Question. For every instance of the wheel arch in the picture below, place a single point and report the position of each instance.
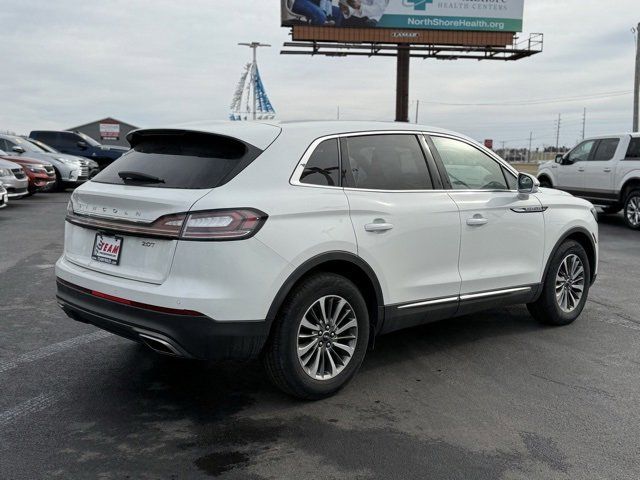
(628, 185)
(584, 238)
(545, 176)
(343, 263)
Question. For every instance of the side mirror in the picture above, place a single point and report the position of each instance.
(18, 149)
(527, 184)
(82, 145)
(559, 158)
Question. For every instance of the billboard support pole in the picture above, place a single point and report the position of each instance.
(402, 83)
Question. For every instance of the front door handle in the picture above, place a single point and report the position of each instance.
(378, 227)
(581, 169)
(476, 221)
(607, 169)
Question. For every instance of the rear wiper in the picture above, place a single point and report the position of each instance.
(139, 177)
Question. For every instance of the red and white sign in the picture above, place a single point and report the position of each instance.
(107, 249)
(110, 131)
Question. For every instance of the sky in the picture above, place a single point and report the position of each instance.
(158, 62)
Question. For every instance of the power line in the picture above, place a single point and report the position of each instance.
(596, 96)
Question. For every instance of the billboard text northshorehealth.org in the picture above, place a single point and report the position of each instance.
(478, 15)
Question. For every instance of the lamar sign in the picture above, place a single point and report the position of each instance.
(457, 15)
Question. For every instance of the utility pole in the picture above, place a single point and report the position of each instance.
(254, 69)
(584, 122)
(338, 112)
(530, 142)
(558, 132)
(636, 93)
(417, 109)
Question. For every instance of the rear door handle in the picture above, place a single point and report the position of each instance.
(378, 227)
(476, 221)
(607, 169)
(581, 169)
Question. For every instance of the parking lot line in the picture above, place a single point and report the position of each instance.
(33, 405)
(52, 350)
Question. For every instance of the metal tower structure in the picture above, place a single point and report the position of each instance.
(250, 100)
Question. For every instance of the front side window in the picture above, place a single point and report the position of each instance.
(606, 149)
(468, 168)
(633, 152)
(323, 166)
(67, 140)
(581, 152)
(387, 162)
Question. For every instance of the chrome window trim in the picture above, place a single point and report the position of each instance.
(297, 172)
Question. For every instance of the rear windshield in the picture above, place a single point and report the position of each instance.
(179, 160)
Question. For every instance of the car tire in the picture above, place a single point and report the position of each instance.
(557, 304)
(58, 186)
(632, 209)
(315, 299)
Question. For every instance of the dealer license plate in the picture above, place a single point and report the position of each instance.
(107, 249)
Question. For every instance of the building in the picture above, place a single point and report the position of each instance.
(109, 131)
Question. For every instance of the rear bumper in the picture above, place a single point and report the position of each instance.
(186, 336)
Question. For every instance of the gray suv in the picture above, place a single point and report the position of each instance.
(70, 171)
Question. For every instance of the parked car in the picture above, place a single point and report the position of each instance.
(77, 143)
(14, 179)
(70, 172)
(92, 166)
(41, 175)
(4, 197)
(605, 170)
(300, 243)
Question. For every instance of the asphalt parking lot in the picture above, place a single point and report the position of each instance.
(487, 396)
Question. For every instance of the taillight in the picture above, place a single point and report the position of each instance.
(234, 224)
(223, 224)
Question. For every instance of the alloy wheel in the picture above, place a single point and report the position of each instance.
(633, 211)
(570, 282)
(327, 337)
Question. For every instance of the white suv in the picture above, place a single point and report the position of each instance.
(299, 243)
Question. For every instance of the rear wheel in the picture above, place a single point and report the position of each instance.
(565, 288)
(632, 209)
(320, 337)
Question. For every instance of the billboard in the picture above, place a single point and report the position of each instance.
(457, 15)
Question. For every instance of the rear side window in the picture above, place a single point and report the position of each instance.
(45, 137)
(179, 160)
(387, 162)
(606, 149)
(633, 153)
(323, 167)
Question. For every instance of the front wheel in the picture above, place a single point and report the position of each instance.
(565, 288)
(320, 337)
(632, 210)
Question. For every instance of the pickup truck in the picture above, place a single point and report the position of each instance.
(604, 170)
